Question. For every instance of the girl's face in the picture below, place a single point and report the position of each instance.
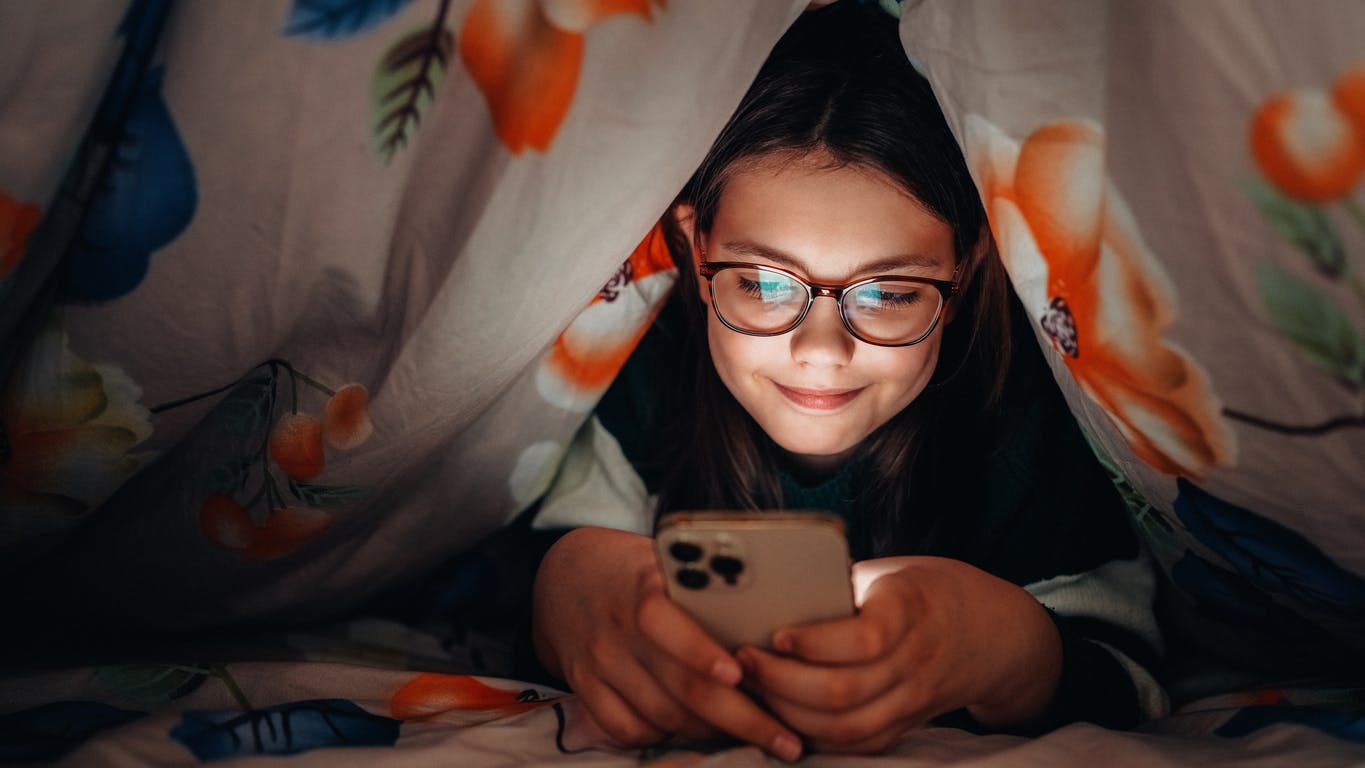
(817, 391)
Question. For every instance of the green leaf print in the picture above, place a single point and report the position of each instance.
(406, 82)
(1305, 226)
(1312, 321)
(231, 477)
(150, 684)
(246, 409)
(324, 496)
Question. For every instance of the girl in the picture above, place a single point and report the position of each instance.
(849, 336)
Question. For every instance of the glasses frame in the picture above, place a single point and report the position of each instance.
(947, 289)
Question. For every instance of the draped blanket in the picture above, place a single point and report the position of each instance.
(301, 298)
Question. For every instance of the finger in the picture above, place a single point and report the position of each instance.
(670, 629)
(900, 708)
(618, 719)
(833, 688)
(881, 623)
(653, 702)
(727, 709)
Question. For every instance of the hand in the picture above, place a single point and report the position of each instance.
(642, 668)
(932, 635)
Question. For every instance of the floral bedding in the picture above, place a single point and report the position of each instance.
(301, 298)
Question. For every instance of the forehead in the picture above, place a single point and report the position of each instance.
(833, 220)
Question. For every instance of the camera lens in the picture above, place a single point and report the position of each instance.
(691, 578)
(727, 567)
(684, 552)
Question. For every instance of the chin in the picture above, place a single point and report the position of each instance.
(802, 445)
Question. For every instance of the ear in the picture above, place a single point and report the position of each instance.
(686, 217)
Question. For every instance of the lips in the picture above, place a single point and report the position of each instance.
(819, 399)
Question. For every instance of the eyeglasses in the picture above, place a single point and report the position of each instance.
(888, 311)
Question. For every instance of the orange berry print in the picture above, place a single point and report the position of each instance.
(225, 522)
(346, 419)
(17, 222)
(285, 530)
(296, 446)
(1308, 147)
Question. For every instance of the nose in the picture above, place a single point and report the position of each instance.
(821, 340)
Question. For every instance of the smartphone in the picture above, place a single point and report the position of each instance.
(744, 575)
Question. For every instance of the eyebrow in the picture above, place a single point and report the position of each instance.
(751, 249)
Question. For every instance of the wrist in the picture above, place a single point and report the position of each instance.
(1026, 694)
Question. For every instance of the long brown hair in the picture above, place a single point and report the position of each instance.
(838, 85)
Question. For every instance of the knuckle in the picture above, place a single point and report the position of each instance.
(840, 691)
(668, 719)
(648, 615)
(875, 640)
(620, 727)
(694, 691)
(600, 653)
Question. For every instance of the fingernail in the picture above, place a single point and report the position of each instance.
(726, 671)
(782, 642)
(787, 747)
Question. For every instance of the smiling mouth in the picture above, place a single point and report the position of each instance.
(819, 399)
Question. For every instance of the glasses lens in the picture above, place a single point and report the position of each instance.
(892, 311)
(758, 300)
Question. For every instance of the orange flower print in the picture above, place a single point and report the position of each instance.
(525, 56)
(590, 352)
(68, 429)
(428, 695)
(17, 222)
(1309, 144)
(1104, 301)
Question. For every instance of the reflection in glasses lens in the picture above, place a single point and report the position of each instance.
(888, 311)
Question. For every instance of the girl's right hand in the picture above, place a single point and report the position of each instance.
(642, 668)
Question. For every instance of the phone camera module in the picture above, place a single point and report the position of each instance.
(692, 578)
(728, 568)
(685, 551)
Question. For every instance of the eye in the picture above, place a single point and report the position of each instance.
(889, 297)
(767, 288)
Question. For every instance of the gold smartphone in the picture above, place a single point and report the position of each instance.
(744, 575)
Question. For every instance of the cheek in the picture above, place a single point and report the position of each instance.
(909, 369)
(728, 352)
(739, 359)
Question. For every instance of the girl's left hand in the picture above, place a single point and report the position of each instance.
(932, 635)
